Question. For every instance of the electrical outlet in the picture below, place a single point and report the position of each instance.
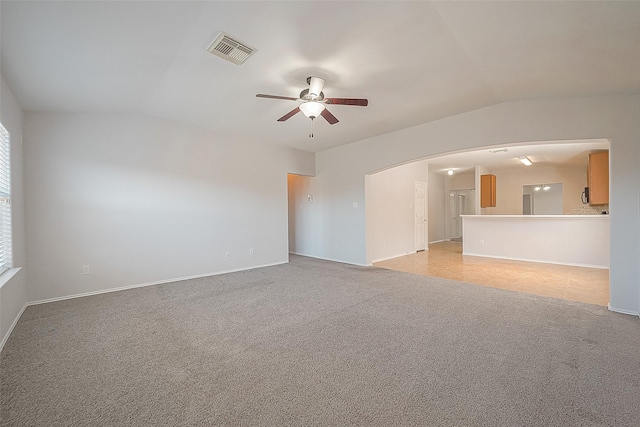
(86, 269)
(250, 251)
(226, 254)
(482, 242)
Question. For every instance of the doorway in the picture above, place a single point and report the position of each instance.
(461, 202)
(421, 215)
(301, 213)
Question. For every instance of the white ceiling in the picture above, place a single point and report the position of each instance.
(415, 61)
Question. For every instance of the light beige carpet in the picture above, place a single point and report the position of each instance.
(319, 343)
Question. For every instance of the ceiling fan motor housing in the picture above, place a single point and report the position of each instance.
(306, 96)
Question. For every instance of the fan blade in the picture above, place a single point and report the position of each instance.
(315, 86)
(347, 101)
(289, 114)
(288, 98)
(329, 117)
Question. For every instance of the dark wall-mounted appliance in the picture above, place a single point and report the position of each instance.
(585, 196)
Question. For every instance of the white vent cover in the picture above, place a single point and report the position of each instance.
(231, 50)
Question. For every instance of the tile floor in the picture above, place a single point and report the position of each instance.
(445, 259)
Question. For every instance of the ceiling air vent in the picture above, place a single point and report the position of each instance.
(231, 50)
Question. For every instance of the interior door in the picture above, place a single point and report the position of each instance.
(421, 215)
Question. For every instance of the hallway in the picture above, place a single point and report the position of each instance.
(445, 259)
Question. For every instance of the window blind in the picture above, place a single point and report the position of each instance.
(5, 201)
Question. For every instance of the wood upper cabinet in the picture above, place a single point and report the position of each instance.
(598, 178)
(487, 191)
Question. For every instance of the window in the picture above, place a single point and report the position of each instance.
(5, 201)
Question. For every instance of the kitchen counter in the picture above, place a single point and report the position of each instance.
(579, 240)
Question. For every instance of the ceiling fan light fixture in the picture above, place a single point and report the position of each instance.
(312, 109)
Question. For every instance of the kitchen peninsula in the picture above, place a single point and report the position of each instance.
(579, 240)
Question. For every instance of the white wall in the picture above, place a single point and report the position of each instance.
(462, 180)
(437, 208)
(13, 290)
(340, 171)
(144, 200)
(390, 197)
(578, 240)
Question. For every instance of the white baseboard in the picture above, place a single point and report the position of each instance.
(13, 325)
(440, 241)
(622, 311)
(602, 267)
(142, 285)
(329, 259)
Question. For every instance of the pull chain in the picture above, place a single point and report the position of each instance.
(311, 128)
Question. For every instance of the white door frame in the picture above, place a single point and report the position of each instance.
(421, 216)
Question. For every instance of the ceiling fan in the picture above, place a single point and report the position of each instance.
(313, 103)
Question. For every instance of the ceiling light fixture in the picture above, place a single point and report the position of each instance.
(450, 171)
(525, 161)
(312, 109)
